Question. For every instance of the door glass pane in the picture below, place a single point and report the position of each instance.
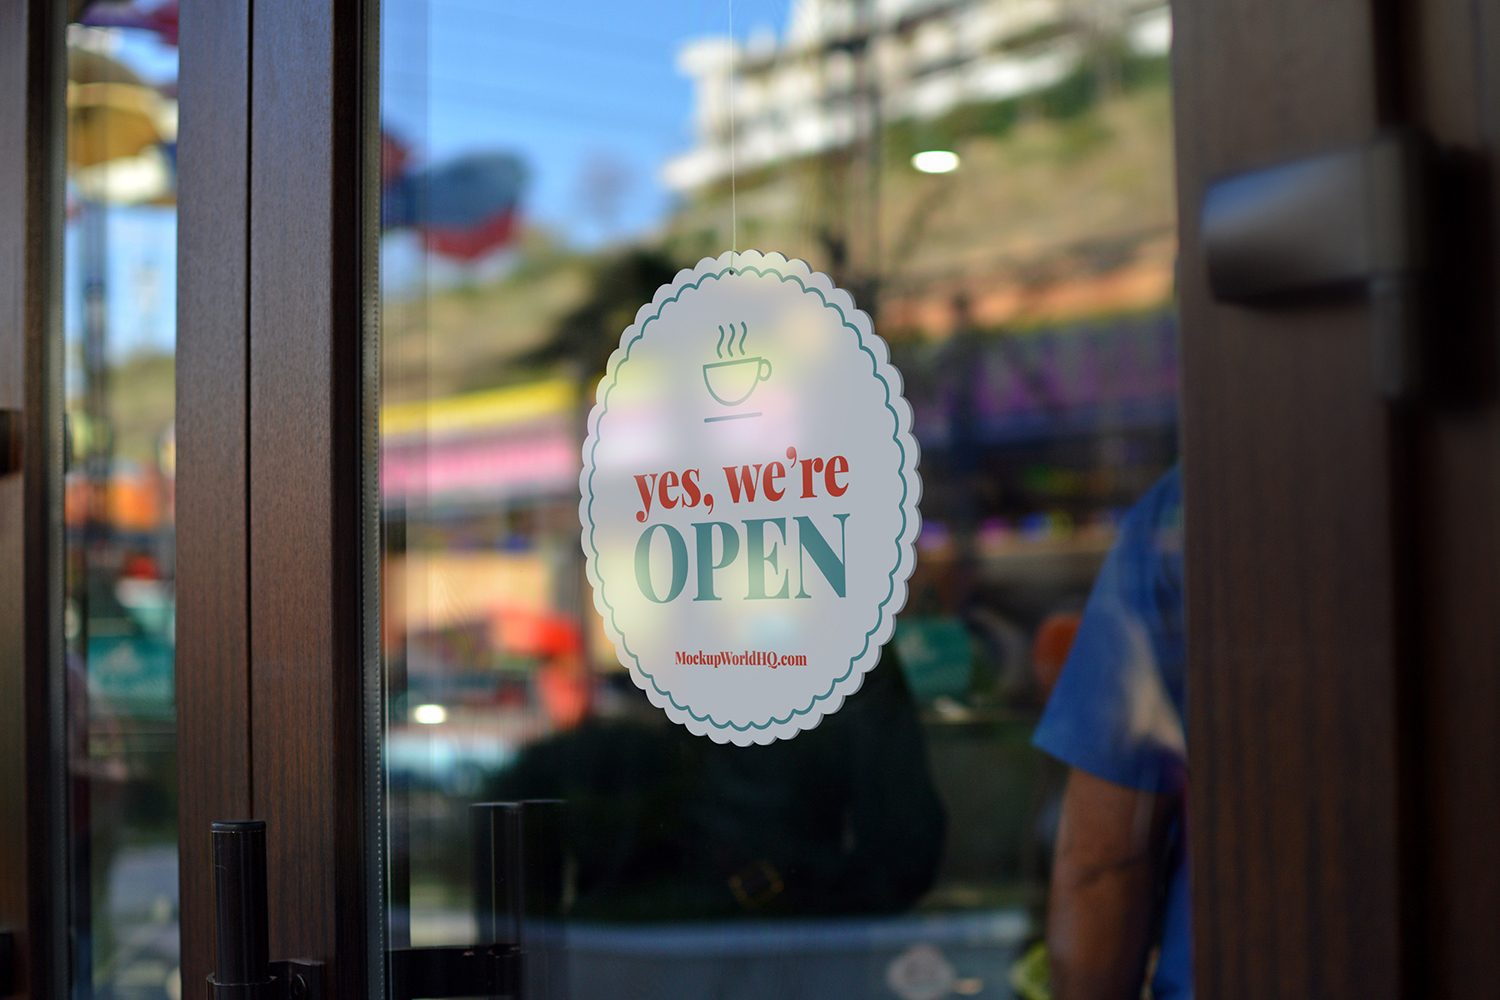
(119, 330)
(992, 181)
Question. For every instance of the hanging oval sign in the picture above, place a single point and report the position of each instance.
(749, 498)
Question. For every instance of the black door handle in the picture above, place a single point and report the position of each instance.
(519, 888)
(243, 969)
(518, 909)
(518, 899)
(241, 919)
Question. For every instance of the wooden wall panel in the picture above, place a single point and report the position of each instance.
(213, 623)
(1289, 455)
(33, 830)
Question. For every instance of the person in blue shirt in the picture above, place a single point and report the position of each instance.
(1119, 879)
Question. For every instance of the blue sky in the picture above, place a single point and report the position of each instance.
(576, 88)
(573, 86)
(568, 85)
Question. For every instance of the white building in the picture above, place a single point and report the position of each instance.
(813, 90)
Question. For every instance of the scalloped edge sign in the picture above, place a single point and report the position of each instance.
(749, 498)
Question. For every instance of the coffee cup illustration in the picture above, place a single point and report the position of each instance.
(732, 382)
(733, 379)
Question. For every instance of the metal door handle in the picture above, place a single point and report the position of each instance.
(519, 902)
(1352, 220)
(518, 907)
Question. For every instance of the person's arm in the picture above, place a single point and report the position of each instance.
(1110, 848)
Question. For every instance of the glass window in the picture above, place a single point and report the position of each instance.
(992, 182)
(119, 318)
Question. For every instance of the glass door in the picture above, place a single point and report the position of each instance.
(538, 376)
(91, 880)
(993, 186)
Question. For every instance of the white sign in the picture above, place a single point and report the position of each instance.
(749, 498)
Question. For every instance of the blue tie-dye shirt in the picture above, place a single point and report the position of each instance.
(1118, 709)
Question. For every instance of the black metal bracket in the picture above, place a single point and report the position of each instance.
(7, 963)
(10, 441)
(293, 979)
(302, 978)
(1352, 220)
(458, 971)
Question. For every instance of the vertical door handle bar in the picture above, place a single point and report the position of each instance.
(243, 969)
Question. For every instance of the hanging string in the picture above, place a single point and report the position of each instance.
(734, 208)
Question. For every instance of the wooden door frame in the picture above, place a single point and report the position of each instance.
(212, 665)
(315, 693)
(213, 611)
(279, 675)
(33, 756)
(1304, 756)
(1295, 695)
(1298, 547)
(1453, 675)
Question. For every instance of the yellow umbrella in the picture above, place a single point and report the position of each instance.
(118, 127)
(116, 121)
(89, 65)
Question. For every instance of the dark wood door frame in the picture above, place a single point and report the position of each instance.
(315, 679)
(33, 755)
(1298, 544)
(278, 675)
(213, 610)
(1454, 672)
(1344, 692)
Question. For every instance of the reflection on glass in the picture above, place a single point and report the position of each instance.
(119, 614)
(993, 183)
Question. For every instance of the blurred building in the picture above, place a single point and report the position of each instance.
(844, 61)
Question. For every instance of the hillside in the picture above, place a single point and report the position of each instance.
(1051, 216)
